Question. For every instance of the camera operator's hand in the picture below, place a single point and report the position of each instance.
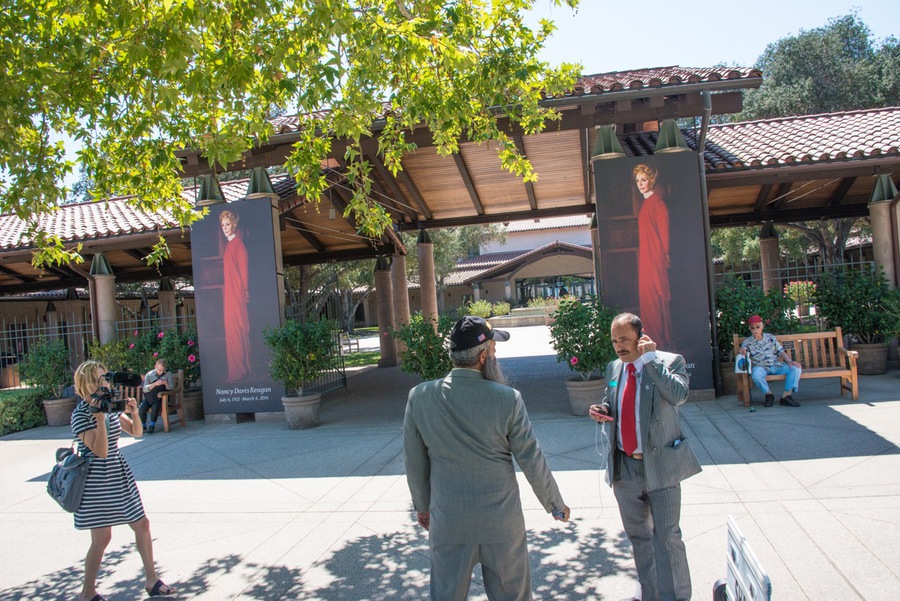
(131, 407)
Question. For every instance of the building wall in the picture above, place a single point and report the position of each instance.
(535, 239)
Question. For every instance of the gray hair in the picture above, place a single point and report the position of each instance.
(468, 357)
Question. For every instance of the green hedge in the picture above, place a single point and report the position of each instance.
(20, 410)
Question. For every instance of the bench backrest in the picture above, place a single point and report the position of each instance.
(814, 350)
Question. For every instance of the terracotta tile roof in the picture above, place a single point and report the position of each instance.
(548, 223)
(115, 217)
(600, 83)
(789, 140)
(658, 77)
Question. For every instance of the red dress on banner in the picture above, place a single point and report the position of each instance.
(653, 270)
(235, 295)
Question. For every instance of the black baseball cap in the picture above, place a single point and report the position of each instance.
(470, 331)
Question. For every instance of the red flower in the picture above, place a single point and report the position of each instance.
(190, 343)
(155, 354)
(192, 358)
(574, 360)
(131, 345)
(161, 334)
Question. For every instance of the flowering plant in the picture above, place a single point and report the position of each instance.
(580, 335)
(180, 350)
(800, 291)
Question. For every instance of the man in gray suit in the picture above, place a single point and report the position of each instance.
(459, 436)
(649, 455)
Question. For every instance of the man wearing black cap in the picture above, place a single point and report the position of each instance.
(460, 434)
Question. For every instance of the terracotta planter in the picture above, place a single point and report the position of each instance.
(192, 403)
(872, 358)
(583, 394)
(59, 411)
(302, 412)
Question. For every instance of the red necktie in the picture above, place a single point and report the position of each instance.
(627, 419)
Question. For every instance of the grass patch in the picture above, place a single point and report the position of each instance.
(366, 331)
(362, 358)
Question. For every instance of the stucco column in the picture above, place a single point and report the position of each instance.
(385, 308)
(400, 287)
(880, 219)
(427, 281)
(105, 287)
(51, 322)
(768, 257)
(105, 302)
(476, 291)
(167, 315)
(507, 290)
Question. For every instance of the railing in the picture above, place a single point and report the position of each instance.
(19, 335)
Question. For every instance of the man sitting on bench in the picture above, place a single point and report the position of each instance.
(157, 380)
(765, 352)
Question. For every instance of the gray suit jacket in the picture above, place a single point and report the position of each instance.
(664, 386)
(460, 435)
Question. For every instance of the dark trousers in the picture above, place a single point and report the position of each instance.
(153, 403)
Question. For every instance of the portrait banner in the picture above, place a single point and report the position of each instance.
(236, 292)
(653, 252)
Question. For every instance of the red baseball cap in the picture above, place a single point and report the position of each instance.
(754, 319)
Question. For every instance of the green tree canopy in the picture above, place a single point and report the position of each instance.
(837, 67)
(134, 82)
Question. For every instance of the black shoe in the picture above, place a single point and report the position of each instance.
(770, 399)
(150, 429)
(789, 401)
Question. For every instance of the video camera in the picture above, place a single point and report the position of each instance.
(108, 400)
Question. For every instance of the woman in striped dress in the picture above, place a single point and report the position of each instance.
(111, 496)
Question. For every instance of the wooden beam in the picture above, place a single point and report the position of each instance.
(401, 212)
(303, 229)
(841, 191)
(467, 180)
(578, 209)
(826, 170)
(391, 182)
(529, 187)
(781, 195)
(15, 274)
(369, 252)
(809, 214)
(763, 197)
(404, 178)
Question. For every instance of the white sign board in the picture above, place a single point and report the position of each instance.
(747, 580)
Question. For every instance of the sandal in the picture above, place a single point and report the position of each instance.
(157, 590)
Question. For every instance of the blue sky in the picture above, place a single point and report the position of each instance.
(617, 35)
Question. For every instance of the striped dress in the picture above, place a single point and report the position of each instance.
(111, 496)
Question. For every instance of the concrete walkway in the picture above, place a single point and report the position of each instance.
(255, 511)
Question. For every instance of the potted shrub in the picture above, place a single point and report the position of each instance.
(426, 351)
(866, 309)
(580, 337)
(46, 368)
(182, 352)
(301, 352)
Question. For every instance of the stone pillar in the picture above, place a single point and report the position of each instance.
(768, 257)
(400, 291)
(105, 302)
(385, 301)
(51, 322)
(427, 281)
(880, 218)
(476, 292)
(400, 287)
(507, 290)
(167, 316)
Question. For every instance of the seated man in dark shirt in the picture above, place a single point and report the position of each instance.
(157, 380)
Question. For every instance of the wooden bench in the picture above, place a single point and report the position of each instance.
(822, 355)
(348, 342)
(170, 398)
